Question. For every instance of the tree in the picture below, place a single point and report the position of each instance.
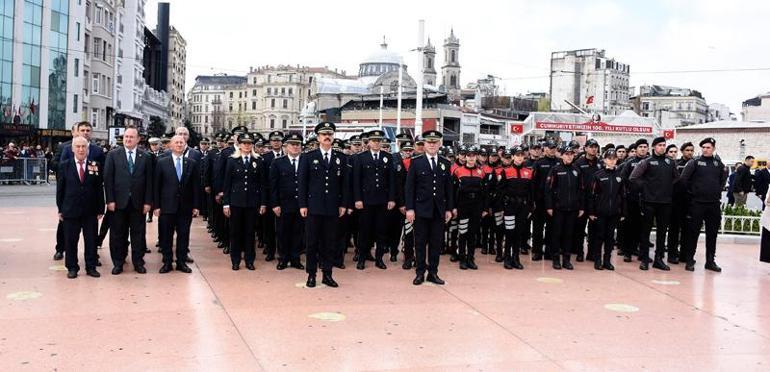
(195, 137)
(157, 127)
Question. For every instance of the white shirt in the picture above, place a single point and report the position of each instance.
(432, 160)
(375, 155)
(133, 154)
(77, 166)
(295, 160)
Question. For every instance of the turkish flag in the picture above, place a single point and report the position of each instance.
(668, 134)
(589, 100)
(517, 128)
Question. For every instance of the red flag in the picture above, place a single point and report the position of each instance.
(589, 100)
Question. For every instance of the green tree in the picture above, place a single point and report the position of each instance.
(157, 127)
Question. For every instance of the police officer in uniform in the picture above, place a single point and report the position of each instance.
(374, 193)
(220, 168)
(284, 192)
(655, 178)
(564, 202)
(471, 200)
(515, 194)
(268, 220)
(402, 168)
(677, 230)
(588, 164)
(605, 208)
(429, 201)
(631, 228)
(704, 178)
(540, 219)
(323, 199)
(243, 199)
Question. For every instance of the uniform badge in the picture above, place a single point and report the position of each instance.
(668, 161)
(385, 160)
(499, 177)
(254, 165)
(574, 172)
(338, 161)
(315, 161)
(618, 179)
(398, 167)
(443, 167)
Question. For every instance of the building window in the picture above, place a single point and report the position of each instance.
(285, 103)
(95, 117)
(95, 86)
(253, 105)
(454, 56)
(291, 91)
(253, 92)
(75, 104)
(272, 123)
(77, 66)
(77, 30)
(231, 94)
(268, 91)
(272, 103)
(283, 123)
(283, 91)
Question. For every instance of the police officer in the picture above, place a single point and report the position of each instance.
(516, 196)
(588, 164)
(540, 219)
(632, 231)
(284, 194)
(488, 221)
(471, 200)
(655, 178)
(564, 202)
(243, 198)
(429, 202)
(219, 170)
(374, 193)
(677, 230)
(704, 178)
(605, 208)
(268, 220)
(323, 199)
(402, 167)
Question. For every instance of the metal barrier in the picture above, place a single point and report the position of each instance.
(745, 225)
(24, 170)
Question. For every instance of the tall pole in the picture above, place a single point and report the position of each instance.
(418, 108)
(381, 99)
(398, 99)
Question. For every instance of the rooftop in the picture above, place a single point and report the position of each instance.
(727, 124)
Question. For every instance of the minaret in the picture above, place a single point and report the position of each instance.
(450, 72)
(428, 71)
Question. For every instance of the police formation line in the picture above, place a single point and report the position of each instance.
(323, 197)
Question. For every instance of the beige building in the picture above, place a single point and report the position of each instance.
(735, 139)
(757, 108)
(577, 75)
(672, 107)
(207, 103)
(177, 67)
(99, 65)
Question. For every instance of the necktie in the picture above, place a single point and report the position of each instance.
(376, 156)
(131, 162)
(294, 164)
(433, 163)
(246, 161)
(81, 171)
(179, 169)
(326, 158)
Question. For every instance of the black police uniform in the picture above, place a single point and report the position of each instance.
(631, 230)
(284, 191)
(515, 191)
(269, 220)
(563, 195)
(606, 202)
(374, 186)
(541, 221)
(704, 177)
(655, 177)
(677, 229)
(402, 168)
(587, 169)
(429, 194)
(243, 194)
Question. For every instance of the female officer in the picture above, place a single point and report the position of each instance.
(470, 188)
(516, 195)
(243, 199)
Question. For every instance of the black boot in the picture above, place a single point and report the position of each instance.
(580, 257)
(517, 262)
(471, 263)
(566, 264)
(556, 263)
(537, 255)
(711, 265)
(690, 266)
(508, 263)
(660, 265)
(607, 264)
(463, 263)
(598, 265)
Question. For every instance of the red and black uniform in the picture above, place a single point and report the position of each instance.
(452, 228)
(497, 212)
(488, 222)
(471, 200)
(515, 192)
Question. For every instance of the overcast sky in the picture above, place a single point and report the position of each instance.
(511, 39)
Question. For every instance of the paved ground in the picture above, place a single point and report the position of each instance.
(490, 319)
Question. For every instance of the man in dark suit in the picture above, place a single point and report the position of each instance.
(80, 202)
(429, 203)
(323, 199)
(374, 193)
(268, 220)
(284, 192)
(63, 154)
(177, 200)
(128, 187)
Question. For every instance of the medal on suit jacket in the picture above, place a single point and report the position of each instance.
(93, 168)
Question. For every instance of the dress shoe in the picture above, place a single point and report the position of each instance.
(250, 266)
(499, 257)
(690, 266)
(140, 269)
(537, 256)
(183, 268)
(407, 264)
(453, 257)
(117, 270)
(463, 265)
(492, 250)
(236, 267)
(484, 250)
(360, 265)
(517, 263)
(711, 265)
(369, 257)
(189, 259)
(660, 265)
(299, 266)
(556, 264)
(310, 281)
(165, 268)
(627, 259)
(644, 265)
(58, 256)
(673, 260)
(93, 273)
(72, 274)
(608, 266)
(598, 265)
(508, 264)
(355, 257)
(226, 250)
(580, 257)
(567, 265)
(419, 279)
(329, 281)
(393, 258)
(270, 257)
(433, 278)
(524, 251)
(281, 265)
(472, 264)
(380, 264)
